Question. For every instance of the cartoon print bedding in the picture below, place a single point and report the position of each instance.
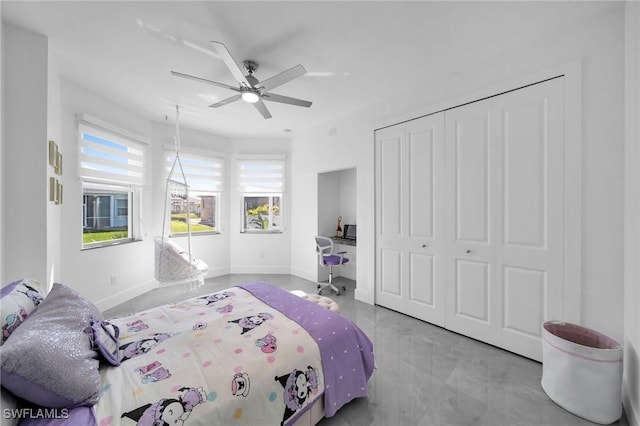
(252, 354)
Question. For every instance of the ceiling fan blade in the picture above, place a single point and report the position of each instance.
(233, 66)
(204, 80)
(283, 77)
(285, 100)
(262, 109)
(226, 101)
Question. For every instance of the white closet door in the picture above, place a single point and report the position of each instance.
(505, 214)
(410, 243)
(471, 170)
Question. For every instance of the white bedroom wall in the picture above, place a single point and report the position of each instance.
(90, 271)
(49, 112)
(25, 145)
(2, 277)
(598, 44)
(250, 252)
(336, 146)
(631, 385)
(328, 205)
(336, 198)
(347, 196)
(54, 212)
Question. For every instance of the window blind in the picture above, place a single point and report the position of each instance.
(202, 173)
(262, 175)
(107, 156)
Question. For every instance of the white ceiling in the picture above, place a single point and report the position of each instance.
(356, 53)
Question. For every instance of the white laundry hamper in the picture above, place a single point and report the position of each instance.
(582, 371)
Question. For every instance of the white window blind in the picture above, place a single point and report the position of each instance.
(107, 156)
(202, 173)
(262, 175)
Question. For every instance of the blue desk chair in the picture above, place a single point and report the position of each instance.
(326, 258)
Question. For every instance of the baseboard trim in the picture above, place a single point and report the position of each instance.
(309, 276)
(125, 295)
(259, 270)
(364, 296)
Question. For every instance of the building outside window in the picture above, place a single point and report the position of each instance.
(204, 176)
(112, 174)
(262, 185)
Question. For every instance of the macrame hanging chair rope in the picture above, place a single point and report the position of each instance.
(173, 264)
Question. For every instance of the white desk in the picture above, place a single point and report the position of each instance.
(348, 270)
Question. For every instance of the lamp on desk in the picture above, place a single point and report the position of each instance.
(339, 228)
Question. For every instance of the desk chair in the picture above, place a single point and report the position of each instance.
(324, 249)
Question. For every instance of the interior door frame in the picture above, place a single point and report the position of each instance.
(572, 248)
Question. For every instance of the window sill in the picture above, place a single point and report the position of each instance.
(102, 244)
(259, 231)
(185, 234)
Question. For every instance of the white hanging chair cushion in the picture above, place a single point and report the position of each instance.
(173, 263)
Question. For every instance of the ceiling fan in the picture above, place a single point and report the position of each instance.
(250, 89)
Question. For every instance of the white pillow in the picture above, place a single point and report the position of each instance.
(17, 301)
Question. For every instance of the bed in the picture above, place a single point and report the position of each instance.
(252, 354)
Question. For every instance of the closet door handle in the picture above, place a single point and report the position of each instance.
(424, 246)
(468, 251)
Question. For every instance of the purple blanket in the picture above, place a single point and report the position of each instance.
(347, 361)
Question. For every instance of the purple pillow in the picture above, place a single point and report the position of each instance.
(105, 340)
(49, 359)
(17, 301)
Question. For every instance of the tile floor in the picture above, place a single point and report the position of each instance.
(425, 375)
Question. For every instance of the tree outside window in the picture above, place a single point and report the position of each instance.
(262, 212)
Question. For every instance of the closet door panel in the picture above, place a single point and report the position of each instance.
(470, 145)
(530, 210)
(410, 203)
(471, 176)
(525, 180)
(423, 282)
(421, 179)
(472, 291)
(391, 263)
(390, 158)
(390, 153)
(425, 220)
(524, 293)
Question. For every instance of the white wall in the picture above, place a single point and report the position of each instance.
(54, 212)
(45, 238)
(259, 253)
(90, 271)
(328, 205)
(598, 44)
(631, 388)
(133, 264)
(2, 277)
(336, 198)
(314, 152)
(25, 154)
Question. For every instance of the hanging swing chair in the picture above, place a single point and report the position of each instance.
(174, 264)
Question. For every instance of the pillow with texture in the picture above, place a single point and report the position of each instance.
(17, 301)
(49, 359)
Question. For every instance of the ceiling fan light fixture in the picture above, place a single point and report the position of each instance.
(250, 97)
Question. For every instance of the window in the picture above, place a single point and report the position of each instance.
(112, 174)
(204, 176)
(105, 214)
(261, 212)
(262, 183)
